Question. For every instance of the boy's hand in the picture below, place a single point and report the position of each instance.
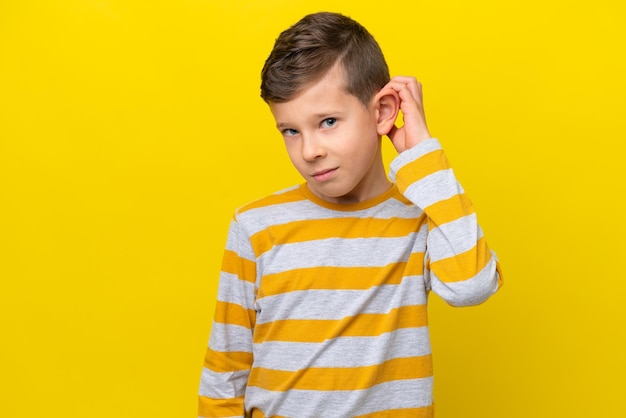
(414, 129)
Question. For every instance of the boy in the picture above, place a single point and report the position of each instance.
(321, 308)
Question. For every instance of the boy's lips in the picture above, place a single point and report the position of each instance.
(325, 174)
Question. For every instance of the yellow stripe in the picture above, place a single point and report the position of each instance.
(275, 199)
(449, 210)
(243, 268)
(363, 325)
(339, 278)
(213, 408)
(309, 230)
(233, 314)
(232, 361)
(425, 165)
(415, 265)
(424, 412)
(463, 266)
(257, 413)
(500, 277)
(343, 378)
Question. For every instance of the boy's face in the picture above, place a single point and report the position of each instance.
(332, 140)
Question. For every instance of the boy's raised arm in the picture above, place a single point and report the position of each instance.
(229, 353)
(460, 267)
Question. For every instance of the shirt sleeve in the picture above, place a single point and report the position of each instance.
(459, 266)
(229, 353)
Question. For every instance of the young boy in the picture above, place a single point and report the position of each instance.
(321, 309)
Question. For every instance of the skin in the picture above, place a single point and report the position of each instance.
(334, 141)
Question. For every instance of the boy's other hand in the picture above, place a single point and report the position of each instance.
(414, 129)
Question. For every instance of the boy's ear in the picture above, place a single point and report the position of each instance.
(387, 103)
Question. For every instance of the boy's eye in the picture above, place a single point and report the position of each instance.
(329, 122)
(290, 132)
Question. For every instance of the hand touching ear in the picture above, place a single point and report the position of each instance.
(414, 129)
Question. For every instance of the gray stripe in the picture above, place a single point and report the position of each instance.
(234, 290)
(468, 292)
(225, 337)
(223, 385)
(411, 155)
(435, 187)
(339, 404)
(453, 238)
(339, 252)
(238, 242)
(343, 351)
(332, 304)
(261, 218)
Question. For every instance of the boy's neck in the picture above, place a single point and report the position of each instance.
(373, 184)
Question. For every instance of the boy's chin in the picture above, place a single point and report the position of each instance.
(335, 194)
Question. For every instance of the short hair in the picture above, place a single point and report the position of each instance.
(306, 51)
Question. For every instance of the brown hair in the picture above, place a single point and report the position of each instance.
(306, 51)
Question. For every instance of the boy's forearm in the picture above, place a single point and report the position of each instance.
(223, 408)
(226, 369)
(463, 270)
(228, 356)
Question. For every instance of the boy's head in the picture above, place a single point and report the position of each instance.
(306, 51)
(324, 83)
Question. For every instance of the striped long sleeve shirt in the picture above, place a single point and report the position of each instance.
(321, 307)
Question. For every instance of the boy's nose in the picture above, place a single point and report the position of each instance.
(312, 149)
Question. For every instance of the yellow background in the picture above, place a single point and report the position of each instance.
(130, 130)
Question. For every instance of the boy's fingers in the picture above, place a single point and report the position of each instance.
(414, 86)
(402, 89)
(408, 103)
(410, 89)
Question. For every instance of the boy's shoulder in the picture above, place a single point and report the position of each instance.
(297, 204)
(271, 209)
(290, 194)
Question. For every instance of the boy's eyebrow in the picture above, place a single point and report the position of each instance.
(281, 125)
(327, 114)
(314, 116)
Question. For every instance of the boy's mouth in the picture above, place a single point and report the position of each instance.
(325, 174)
